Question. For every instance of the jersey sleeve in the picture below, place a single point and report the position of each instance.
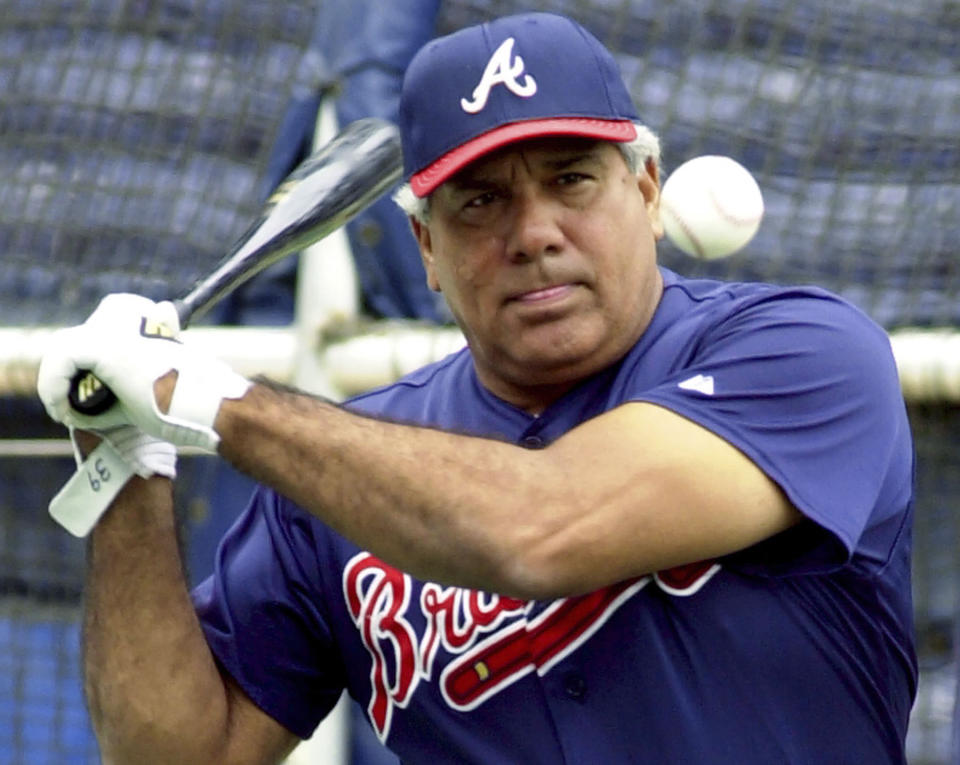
(264, 618)
(806, 386)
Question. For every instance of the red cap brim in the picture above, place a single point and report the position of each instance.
(428, 179)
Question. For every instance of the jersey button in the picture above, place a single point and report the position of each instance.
(533, 442)
(575, 686)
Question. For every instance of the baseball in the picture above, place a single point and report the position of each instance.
(711, 206)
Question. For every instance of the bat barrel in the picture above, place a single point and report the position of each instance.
(326, 191)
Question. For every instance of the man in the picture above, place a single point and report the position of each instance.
(639, 519)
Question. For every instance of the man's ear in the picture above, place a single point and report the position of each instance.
(422, 234)
(648, 180)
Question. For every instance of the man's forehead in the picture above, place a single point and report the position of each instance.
(548, 151)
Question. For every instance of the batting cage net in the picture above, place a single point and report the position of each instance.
(139, 137)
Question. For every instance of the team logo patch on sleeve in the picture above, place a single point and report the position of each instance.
(699, 383)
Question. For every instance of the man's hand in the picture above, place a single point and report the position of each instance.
(129, 343)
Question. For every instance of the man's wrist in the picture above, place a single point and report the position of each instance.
(267, 406)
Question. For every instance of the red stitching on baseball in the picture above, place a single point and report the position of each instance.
(727, 215)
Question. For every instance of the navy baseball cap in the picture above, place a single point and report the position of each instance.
(517, 77)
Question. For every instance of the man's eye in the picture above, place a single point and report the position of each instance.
(569, 179)
(481, 200)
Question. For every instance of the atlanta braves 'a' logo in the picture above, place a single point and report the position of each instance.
(494, 639)
(502, 69)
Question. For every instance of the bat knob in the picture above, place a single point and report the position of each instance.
(88, 395)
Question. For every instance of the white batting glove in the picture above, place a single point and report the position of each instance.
(123, 452)
(147, 456)
(129, 343)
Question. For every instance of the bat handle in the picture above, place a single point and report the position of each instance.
(88, 395)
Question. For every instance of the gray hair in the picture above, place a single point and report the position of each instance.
(645, 147)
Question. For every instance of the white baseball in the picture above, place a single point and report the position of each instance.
(711, 206)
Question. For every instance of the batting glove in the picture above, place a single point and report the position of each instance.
(147, 456)
(124, 451)
(129, 343)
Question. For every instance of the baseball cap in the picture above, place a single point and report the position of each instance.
(516, 77)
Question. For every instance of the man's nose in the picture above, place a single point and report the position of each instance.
(534, 228)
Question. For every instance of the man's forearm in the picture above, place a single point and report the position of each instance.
(408, 494)
(151, 683)
(636, 490)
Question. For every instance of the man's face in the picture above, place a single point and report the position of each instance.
(545, 252)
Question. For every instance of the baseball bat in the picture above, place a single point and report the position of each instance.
(321, 194)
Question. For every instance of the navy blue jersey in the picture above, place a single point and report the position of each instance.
(798, 649)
